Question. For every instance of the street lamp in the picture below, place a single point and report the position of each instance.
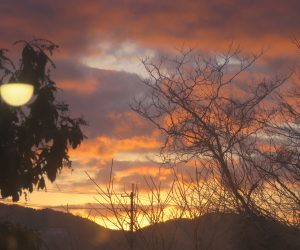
(16, 94)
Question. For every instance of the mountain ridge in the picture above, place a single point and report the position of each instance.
(212, 231)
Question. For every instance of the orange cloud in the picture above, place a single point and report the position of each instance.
(84, 87)
(149, 170)
(105, 148)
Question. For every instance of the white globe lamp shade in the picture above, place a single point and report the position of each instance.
(16, 94)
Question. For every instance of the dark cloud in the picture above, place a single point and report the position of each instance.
(103, 97)
(80, 25)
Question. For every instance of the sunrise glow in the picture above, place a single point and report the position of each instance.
(179, 108)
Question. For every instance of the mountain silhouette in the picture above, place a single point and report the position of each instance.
(215, 231)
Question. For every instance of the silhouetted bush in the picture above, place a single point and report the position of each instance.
(14, 237)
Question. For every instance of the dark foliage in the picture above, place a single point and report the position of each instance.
(34, 140)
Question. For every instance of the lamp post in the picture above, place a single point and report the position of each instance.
(16, 94)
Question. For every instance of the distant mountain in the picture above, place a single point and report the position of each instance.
(210, 232)
(60, 231)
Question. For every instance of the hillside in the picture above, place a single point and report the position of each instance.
(222, 232)
(59, 231)
(211, 231)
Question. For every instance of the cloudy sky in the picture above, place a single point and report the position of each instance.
(99, 68)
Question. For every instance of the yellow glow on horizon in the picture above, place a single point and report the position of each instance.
(16, 94)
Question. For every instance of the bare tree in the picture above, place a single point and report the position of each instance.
(242, 136)
(190, 195)
(210, 113)
(150, 207)
(284, 162)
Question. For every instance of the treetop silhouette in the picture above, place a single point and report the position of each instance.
(34, 140)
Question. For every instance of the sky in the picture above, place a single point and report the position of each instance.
(99, 69)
